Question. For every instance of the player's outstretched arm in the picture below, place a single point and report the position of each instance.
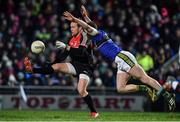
(85, 14)
(90, 30)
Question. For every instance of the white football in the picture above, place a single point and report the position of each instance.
(37, 47)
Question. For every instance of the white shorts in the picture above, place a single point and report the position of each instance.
(125, 61)
(71, 69)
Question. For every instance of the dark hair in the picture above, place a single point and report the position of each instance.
(76, 23)
(92, 24)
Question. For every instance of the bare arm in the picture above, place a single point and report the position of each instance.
(90, 30)
(85, 14)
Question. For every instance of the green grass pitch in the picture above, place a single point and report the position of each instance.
(51, 115)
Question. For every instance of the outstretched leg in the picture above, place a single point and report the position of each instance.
(49, 69)
(138, 72)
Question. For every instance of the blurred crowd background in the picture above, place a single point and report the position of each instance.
(150, 29)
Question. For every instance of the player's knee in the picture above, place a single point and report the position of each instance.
(82, 92)
(55, 67)
(121, 89)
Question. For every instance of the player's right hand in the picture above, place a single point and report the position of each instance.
(60, 45)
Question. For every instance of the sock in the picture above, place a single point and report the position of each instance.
(166, 94)
(89, 102)
(43, 70)
(142, 88)
(163, 92)
(160, 91)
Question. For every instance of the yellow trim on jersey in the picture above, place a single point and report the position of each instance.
(126, 59)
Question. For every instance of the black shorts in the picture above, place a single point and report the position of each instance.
(82, 68)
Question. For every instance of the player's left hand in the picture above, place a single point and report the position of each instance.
(68, 16)
(60, 45)
(83, 11)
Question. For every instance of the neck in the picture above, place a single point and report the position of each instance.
(77, 35)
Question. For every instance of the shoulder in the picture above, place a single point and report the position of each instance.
(102, 31)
